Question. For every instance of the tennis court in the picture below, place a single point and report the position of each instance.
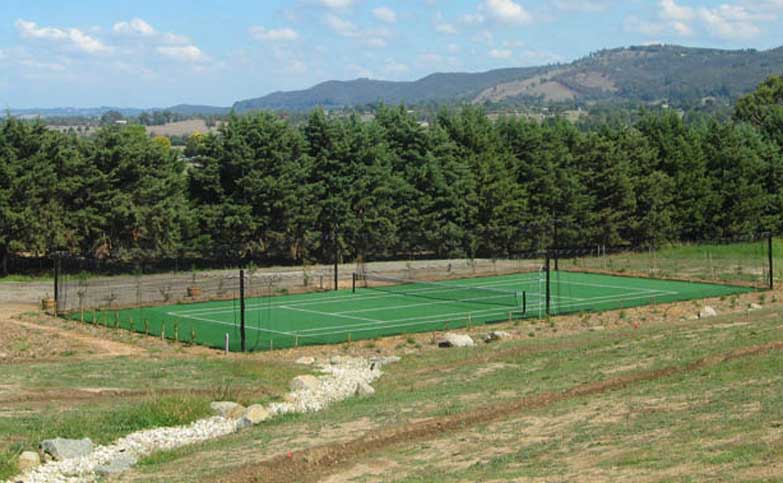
(382, 306)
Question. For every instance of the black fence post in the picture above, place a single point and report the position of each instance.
(771, 266)
(336, 256)
(548, 287)
(242, 309)
(57, 273)
(353, 283)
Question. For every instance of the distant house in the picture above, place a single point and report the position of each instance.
(121, 122)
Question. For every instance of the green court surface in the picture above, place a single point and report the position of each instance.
(336, 317)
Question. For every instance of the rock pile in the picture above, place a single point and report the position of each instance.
(79, 460)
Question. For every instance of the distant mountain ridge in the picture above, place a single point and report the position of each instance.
(640, 74)
(643, 74)
(183, 109)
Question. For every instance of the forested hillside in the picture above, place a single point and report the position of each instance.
(464, 185)
(682, 76)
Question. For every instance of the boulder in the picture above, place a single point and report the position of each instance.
(62, 449)
(305, 383)
(340, 360)
(707, 311)
(28, 460)
(364, 389)
(455, 340)
(255, 414)
(306, 361)
(227, 409)
(496, 335)
(754, 307)
(380, 361)
(117, 465)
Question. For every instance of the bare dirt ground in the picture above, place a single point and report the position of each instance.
(181, 128)
(23, 340)
(320, 461)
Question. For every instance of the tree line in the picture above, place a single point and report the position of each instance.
(463, 185)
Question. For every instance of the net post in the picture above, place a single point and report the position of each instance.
(57, 270)
(771, 267)
(242, 309)
(524, 303)
(548, 287)
(336, 256)
(353, 282)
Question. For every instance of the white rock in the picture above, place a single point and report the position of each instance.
(255, 414)
(306, 382)
(306, 361)
(227, 409)
(28, 460)
(496, 335)
(339, 381)
(707, 311)
(754, 307)
(381, 361)
(455, 340)
(116, 465)
(62, 449)
(337, 360)
(364, 389)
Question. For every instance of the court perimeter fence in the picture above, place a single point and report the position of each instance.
(96, 290)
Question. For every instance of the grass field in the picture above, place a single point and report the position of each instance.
(650, 396)
(341, 316)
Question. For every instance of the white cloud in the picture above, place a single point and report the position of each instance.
(582, 5)
(134, 26)
(70, 37)
(442, 26)
(671, 11)
(341, 26)
(359, 71)
(336, 3)
(50, 66)
(505, 11)
(188, 53)
(727, 21)
(170, 38)
(394, 67)
(377, 42)
(500, 53)
(385, 14)
(274, 35)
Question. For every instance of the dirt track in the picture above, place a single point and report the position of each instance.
(315, 463)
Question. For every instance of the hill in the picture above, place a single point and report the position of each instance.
(94, 112)
(644, 74)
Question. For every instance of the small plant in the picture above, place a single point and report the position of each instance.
(410, 340)
(531, 334)
(623, 315)
(165, 293)
(762, 298)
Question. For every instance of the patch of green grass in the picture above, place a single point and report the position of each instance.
(8, 466)
(26, 278)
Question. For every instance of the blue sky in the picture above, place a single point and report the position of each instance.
(151, 53)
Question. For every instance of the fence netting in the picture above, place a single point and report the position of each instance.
(283, 307)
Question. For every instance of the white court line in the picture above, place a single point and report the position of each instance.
(392, 324)
(464, 314)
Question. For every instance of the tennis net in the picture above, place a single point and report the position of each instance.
(472, 294)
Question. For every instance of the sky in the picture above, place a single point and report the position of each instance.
(157, 53)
